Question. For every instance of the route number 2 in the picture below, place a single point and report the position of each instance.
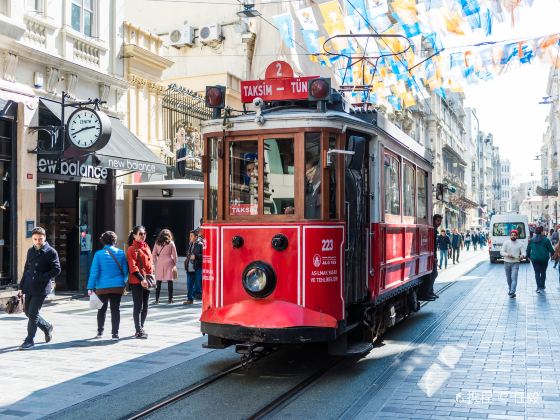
(328, 245)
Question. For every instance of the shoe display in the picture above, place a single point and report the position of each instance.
(48, 334)
(27, 345)
(115, 337)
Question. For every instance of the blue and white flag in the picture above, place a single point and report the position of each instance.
(285, 25)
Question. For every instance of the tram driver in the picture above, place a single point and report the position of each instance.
(312, 187)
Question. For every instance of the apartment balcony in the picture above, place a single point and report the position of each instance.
(453, 179)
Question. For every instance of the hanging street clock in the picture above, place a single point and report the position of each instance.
(88, 130)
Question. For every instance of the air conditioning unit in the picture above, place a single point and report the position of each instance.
(210, 33)
(181, 37)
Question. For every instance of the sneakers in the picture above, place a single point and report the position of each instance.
(27, 345)
(156, 302)
(99, 335)
(511, 294)
(115, 337)
(170, 301)
(48, 334)
(188, 302)
(538, 290)
(141, 334)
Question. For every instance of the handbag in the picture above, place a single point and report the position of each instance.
(14, 305)
(148, 277)
(175, 273)
(95, 302)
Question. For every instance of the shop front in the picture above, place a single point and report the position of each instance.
(76, 195)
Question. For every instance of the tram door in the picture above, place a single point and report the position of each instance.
(357, 215)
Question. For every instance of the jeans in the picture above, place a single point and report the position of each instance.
(468, 244)
(442, 256)
(169, 289)
(191, 280)
(33, 305)
(140, 298)
(198, 283)
(115, 300)
(455, 255)
(540, 272)
(512, 270)
(474, 244)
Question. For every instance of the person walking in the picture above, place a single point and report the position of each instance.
(107, 278)
(474, 240)
(165, 260)
(140, 266)
(456, 244)
(554, 240)
(193, 263)
(539, 252)
(198, 268)
(444, 245)
(468, 239)
(41, 267)
(513, 252)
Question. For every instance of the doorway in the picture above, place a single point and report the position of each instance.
(175, 215)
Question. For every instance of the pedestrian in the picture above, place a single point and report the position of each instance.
(41, 267)
(554, 240)
(444, 246)
(140, 266)
(193, 263)
(198, 271)
(456, 245)
(481, 240)
(513, 252)
(474, 240)
(165, 260)
(539, 252)
(468, 238)
(426, 291)
(107, 278)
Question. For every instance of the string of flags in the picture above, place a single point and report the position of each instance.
(398, 80)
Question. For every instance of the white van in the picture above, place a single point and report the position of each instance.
(500, 227)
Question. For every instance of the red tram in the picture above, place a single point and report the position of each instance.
(317, 221)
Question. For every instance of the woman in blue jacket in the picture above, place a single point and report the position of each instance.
(107, 278)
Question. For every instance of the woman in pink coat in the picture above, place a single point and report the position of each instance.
(165, 260)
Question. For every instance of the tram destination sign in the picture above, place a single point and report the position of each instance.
(280, 89)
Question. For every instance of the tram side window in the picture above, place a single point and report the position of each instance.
(422, 195)
(212, 179)
(313, 169)
(392, 187)
(243, 178)
(409, 187)
(279, 176)
(332, 180)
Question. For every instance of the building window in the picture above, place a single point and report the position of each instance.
(34, 5)
(82, 16)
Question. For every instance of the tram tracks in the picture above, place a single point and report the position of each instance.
(286, 397)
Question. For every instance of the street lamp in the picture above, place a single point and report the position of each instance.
(248, 11)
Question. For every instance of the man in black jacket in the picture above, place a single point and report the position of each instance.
(41, 267)
(426, 291)
(193, 267)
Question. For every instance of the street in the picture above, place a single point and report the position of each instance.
(473, 353)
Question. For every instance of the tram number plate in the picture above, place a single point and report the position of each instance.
(327, 245)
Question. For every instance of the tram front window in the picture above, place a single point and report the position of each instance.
(313, 174)
(243, 178)
(279, 176)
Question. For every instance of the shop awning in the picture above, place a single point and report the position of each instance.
(124, 152)
(464, 202)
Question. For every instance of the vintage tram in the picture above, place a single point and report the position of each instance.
(317, 221)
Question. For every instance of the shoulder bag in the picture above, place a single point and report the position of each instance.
(14, 305)
(148, 277)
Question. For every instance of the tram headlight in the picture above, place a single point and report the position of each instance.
(259, 279)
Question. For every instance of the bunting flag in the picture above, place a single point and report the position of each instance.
(285, 25)
(377, 8)
(306, 19)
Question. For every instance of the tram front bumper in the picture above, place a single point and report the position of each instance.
(268, 321)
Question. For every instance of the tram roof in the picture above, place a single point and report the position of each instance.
(276, 118)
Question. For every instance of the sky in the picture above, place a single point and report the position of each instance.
(508, 106)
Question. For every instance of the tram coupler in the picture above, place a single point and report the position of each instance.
(248, 349)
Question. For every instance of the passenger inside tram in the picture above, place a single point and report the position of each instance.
(312, 187)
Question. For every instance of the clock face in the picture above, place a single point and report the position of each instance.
(84, 128)
(88, 130)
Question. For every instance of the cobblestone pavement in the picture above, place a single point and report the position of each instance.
(491, 357)
(74, 366)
